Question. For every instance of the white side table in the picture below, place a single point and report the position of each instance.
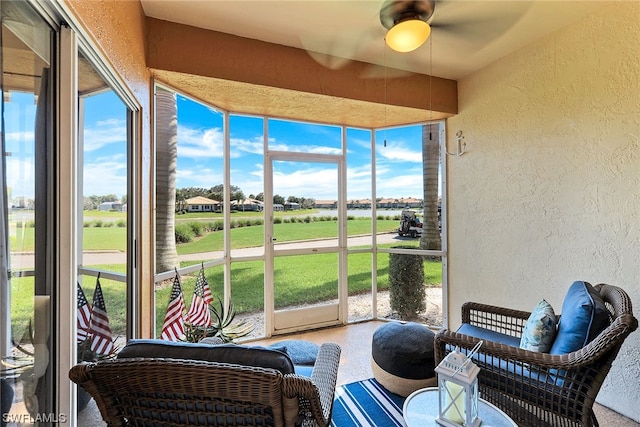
(421, 410)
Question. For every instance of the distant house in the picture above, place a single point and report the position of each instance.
(110, 206)
(359, 204)
(202, 204)
(410, 202)
(388, 203)
(291, 206)
(278, 207)
(326, 204)
(247, 205)
(405, 202)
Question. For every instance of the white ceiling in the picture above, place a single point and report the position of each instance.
(467, 35)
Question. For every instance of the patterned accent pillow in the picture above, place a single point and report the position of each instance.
(540, 329)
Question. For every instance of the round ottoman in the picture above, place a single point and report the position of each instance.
(402, 357)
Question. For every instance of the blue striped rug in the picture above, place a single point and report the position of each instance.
(366, 403)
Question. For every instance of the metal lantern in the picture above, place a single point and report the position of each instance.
(458, 390)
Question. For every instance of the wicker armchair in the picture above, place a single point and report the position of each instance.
(534, 388)
(178, 392)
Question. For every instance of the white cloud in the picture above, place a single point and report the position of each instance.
(316, 183)
(200, 143)
(398, 151)
(315, 149)
(105, 176)
(21, 176)
(19, 137)
(105, 132)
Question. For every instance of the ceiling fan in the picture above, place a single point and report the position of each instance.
(463, 27)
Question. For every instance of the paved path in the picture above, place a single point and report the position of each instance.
(25, 260)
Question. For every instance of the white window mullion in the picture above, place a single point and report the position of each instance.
(67, 214)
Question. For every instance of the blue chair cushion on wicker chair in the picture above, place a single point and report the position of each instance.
(584, 316)
(536, 388)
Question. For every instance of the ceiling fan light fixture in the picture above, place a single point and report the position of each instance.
(408, 34)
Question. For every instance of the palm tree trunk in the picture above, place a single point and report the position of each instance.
(166, 164)
(430, 166)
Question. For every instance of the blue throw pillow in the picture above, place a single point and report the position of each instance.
(584, 315)
(540, 329)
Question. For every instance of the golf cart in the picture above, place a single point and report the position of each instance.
(410, 224)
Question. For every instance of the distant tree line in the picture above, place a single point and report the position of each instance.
(217, 193)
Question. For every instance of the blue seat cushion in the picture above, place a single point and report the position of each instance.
(584, 315)
(488, 335)
(301, 352)
(303, 370)
(224, 353)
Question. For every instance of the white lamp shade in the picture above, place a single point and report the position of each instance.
(408, 35)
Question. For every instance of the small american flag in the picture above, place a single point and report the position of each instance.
(102, 341)
(83, 315)
(199, 314)
(173, 327)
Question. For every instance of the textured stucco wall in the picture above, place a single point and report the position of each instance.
(549, 190)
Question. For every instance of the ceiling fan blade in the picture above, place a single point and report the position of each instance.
(337, 50)
(375, 71)
(474, 24)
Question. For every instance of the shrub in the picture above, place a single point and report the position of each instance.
(184, 233)
(98, 223)
(121, 223)
(407, 294)
(197, 228)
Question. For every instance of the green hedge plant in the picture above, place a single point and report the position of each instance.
(407, 293)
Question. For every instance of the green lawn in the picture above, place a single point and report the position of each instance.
(115, 238)
(115, 300)
(305, 280)
(245, 237)
(300, 279)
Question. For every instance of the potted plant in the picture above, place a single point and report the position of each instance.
(221, 325)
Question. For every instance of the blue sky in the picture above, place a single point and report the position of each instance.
(200, 151)
(200, 146)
